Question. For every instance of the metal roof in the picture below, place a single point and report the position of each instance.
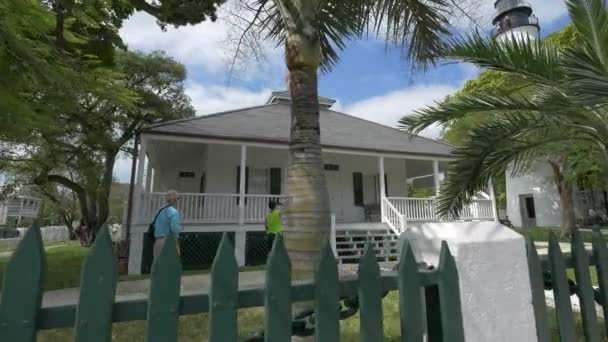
(271, 124)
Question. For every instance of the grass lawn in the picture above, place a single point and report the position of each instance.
(64, 265)
(194, 328)
(543, 233)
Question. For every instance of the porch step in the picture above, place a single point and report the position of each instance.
(352, 240)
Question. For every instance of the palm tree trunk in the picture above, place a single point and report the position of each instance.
(308, 214)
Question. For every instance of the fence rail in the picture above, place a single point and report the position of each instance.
(92, 317)
(210, 208)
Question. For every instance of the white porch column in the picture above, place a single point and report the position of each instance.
(240, 235)
(139, 180)
(148, 176)
(382, 185)
(152, 180)
(493, 198)
(243, 175)
(436, 176)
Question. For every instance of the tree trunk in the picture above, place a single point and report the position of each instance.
(567, 206)
(103, 194)
(308, 213)
(566, 191)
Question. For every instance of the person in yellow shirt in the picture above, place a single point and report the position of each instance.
(273, 224)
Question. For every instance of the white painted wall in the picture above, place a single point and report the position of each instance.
(496, 304)
(220, 162)
(540, 184)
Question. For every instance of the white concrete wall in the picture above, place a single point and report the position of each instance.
(539, 183)
(495, 290)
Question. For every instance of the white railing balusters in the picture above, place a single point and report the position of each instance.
(392, 217)
(425, 209)
(208, 208)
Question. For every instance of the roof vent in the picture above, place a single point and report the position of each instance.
(285, 97)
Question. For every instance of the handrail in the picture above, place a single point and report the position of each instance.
(388, 218)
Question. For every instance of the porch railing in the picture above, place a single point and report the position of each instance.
(393, 217)
(425, 209)
(210, 208)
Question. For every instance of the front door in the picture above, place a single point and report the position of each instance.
(335, 192)
(527, 210)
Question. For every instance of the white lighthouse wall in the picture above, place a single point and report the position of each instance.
(519, 33)
(538, 183)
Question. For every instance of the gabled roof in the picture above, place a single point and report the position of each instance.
(271, 124)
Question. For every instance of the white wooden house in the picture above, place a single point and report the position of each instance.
(228, 166)
(17, 207)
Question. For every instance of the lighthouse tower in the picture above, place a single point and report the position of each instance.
(515, 19)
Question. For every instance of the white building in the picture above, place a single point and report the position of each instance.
(533, 200)
(514, 20)
(15, 208)
(228, 166)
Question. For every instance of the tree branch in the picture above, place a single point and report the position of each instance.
(240, 42)
(142, 5)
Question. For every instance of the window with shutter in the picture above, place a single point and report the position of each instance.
(275, 181)
(358, 188)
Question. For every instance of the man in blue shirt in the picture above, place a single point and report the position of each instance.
(167, 222)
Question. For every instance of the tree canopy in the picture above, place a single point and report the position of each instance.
(561, 102)
(75, 99)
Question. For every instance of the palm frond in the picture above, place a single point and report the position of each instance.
(586, 65)
(586, 77)
(590, 17)
(511, 142)
(529, 59)
(458, 107)
(338, 21)
(419, 27)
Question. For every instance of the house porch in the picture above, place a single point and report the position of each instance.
(225, 187)
(215, 178)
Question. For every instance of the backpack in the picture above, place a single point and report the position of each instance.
(151, 227)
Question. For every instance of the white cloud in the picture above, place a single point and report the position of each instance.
(209, 45)
(213, 99)
(193, 45)
(389, 108)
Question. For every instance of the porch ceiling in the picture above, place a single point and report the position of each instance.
(164, 153)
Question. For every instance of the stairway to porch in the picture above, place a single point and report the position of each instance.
(351, 240)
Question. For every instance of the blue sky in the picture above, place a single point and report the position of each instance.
(371, 81)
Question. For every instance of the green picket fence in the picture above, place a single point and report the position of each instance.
(21, 315)
(550, 272)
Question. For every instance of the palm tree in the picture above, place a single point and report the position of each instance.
(313, 33)
(564, 102)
